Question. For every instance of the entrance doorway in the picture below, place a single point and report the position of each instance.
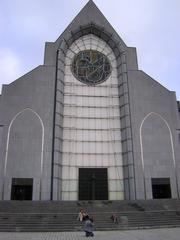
(93, 184)
(22, 189)
(161, 188)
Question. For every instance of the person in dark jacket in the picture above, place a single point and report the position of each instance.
(88, 227)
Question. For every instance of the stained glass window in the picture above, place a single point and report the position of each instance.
(91, 67)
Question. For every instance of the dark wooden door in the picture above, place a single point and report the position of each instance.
(93, 184)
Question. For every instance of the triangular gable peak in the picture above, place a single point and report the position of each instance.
(90, 20)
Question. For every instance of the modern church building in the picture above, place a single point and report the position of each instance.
(88, 124)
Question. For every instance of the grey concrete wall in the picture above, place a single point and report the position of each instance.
(28, 101)
(152, 141)
(131, 58)
(1, 163)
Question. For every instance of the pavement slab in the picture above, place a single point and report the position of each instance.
(145, 234)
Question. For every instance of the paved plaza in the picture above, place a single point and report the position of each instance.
(149, 234)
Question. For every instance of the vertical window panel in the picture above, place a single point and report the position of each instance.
(91, 147)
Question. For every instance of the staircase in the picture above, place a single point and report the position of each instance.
(36, 216)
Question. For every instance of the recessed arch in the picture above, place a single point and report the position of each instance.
(90, 147)
(100, 32)
(142, 149)
(119, 49)
(17, 115)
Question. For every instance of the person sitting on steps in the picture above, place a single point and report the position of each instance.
(114, 218)
(81, 215)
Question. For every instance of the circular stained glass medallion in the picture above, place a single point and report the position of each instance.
(91, 67)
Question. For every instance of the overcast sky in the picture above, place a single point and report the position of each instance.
(152, 26)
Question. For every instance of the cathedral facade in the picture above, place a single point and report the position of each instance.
(88, 124)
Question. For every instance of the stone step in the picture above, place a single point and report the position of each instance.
(62, 216)
(100, 206)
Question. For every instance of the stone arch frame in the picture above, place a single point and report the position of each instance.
(127, 142)
(7, 146)
(141, 148)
